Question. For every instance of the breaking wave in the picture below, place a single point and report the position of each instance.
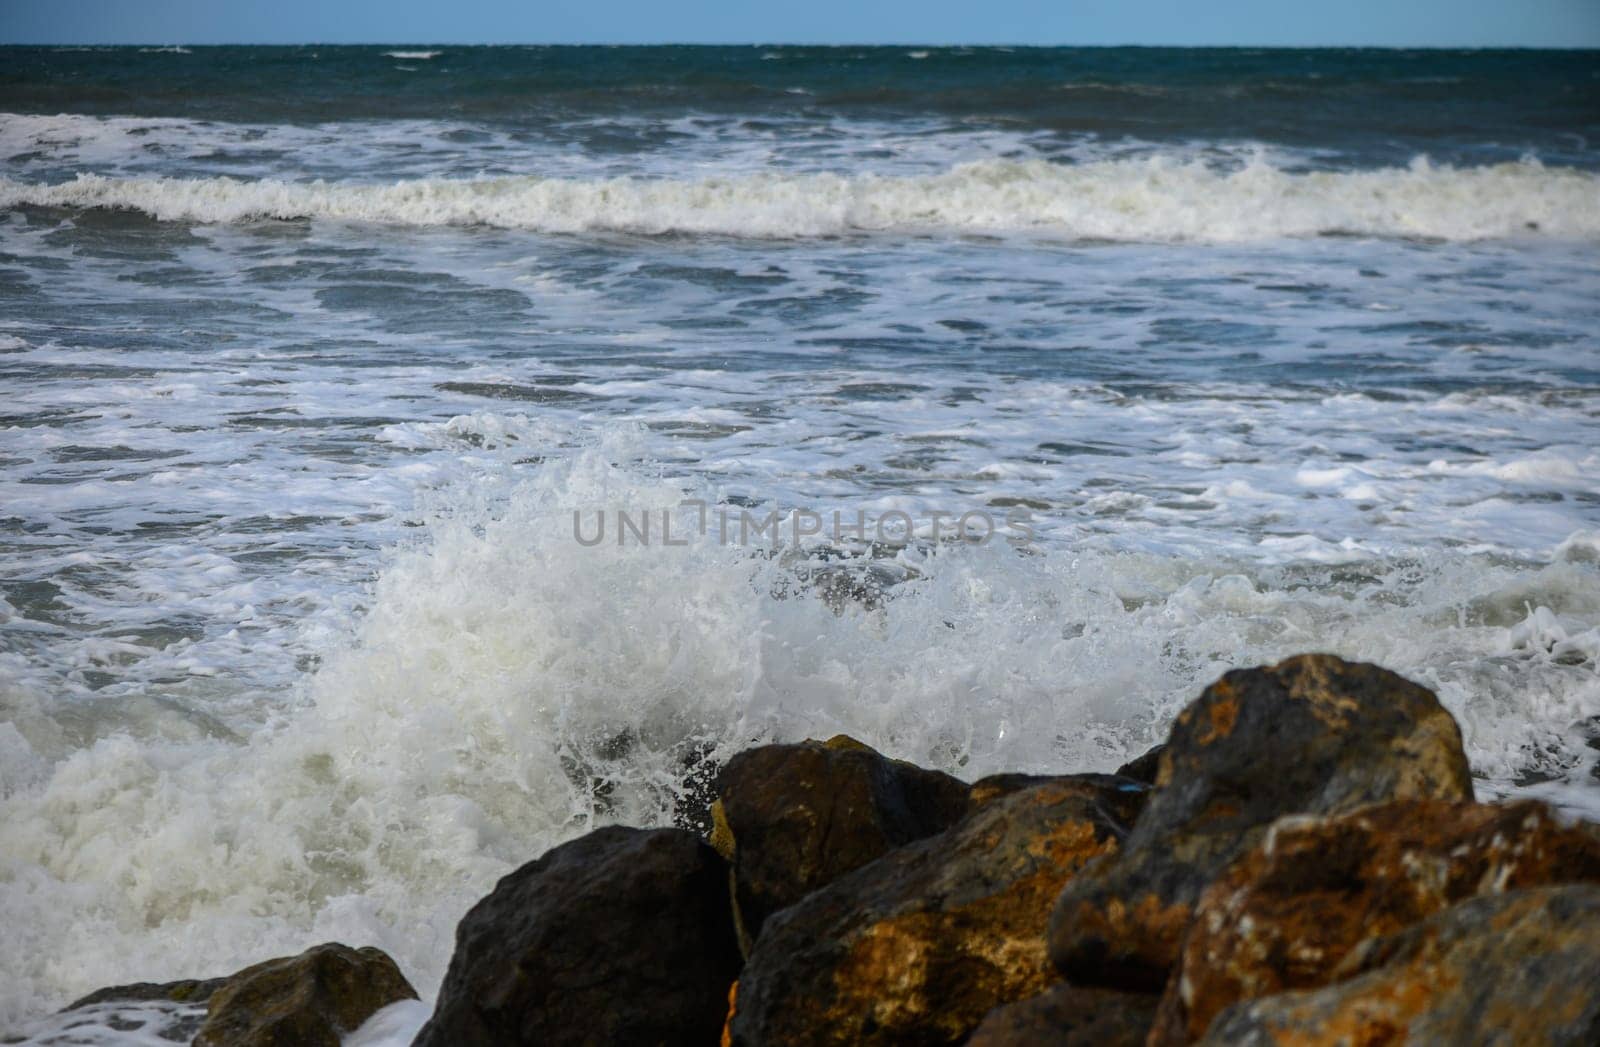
(1147, 200)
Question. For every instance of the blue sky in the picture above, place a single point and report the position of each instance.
(1423, 23)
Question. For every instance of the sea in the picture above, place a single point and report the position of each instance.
(412, 457)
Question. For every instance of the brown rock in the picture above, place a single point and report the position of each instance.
(188, 990)
(1518, 969)
(1286, 914)
(792, 818)
(309, 1000)
(986, 790)
(1069, 1016)
(620, 936)
(1314, 734)
(918, 946)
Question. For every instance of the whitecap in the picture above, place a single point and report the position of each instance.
(1155, 200)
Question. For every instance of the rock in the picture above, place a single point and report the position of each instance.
(179, 1011)
(188, 990)
(986, 790)
(1286, 914)
(919, 945)
(620, 936)
(309, 1000)
(1314, 734)
(1144, 767)
(313, 998)
(697, 789)
(792, 818)
(1069, 1016)
(1518, 968)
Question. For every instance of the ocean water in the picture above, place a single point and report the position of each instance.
(310, 355)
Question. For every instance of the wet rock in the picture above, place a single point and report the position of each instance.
(188, 990)
(1144, 767)
(620, 936)
(918, 946)
(1518, 968)
(310, 1000)
(1313, 734)
(171, 1011)
(986, 790)
(697, 789)
(1286, 914)
(792, 818)
(1069, 1016)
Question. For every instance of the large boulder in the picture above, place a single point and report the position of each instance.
(919, 945)
(310, 1000)
(620, 936)
(1313, 734)
(1516, 969)
(1069, 1016)
(1287, 914)
(793, 818)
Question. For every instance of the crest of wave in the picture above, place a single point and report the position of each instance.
(1154, 199)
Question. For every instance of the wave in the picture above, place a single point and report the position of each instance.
(413, 54)
(1146, 200)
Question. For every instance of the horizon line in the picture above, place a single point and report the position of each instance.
(802, 43)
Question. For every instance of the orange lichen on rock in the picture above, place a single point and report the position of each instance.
(920, 945)
(1286, 914)
(1311, 735)
(1516, 968)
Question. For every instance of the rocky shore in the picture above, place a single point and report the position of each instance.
(1301, 863)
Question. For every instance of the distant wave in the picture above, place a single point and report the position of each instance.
(413, 54)
(1153, 200)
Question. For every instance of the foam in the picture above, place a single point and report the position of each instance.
(1149, 200)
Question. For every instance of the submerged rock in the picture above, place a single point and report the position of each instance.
(172, 1011)
(313, 999)
(1518, 968)
(920, 945)
(1312, 734)
(620, 936)
(1286, 914)
(793, 818)
(1069, 1016)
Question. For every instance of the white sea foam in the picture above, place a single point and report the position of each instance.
(418, 55)
(1153, 200)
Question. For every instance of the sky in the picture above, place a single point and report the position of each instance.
(1384, 23)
